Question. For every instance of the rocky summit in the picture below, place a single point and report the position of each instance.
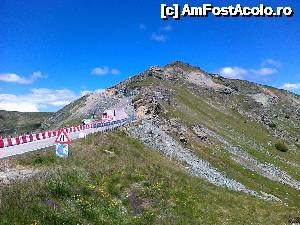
(204, 149)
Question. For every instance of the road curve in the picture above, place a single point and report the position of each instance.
(44, 143)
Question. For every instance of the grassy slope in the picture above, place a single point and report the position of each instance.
(63, 117)
(134, 185)
(23, 122)
(194, 110)
(138, 186)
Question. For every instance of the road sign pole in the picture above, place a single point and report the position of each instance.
(62, 142)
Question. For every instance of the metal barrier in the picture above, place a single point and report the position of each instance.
(13, 141)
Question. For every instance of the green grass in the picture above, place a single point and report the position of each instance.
(280, 146)
(196, 110)
(21, 122)
(39, 160)
(73, 122)
(130, 184)
(230, 125)
(222, 161)
(113, 179)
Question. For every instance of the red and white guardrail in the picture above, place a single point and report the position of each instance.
(26, 138)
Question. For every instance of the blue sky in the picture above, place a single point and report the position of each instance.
(53, 51)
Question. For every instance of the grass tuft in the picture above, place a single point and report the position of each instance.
(280, 146)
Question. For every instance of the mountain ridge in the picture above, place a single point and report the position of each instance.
(174, 87)
(204, 147)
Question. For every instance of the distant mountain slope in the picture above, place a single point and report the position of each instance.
(235, 125)
(278, 111)
(204, 150)
(20, 122)
(87, 106)
(256, 126)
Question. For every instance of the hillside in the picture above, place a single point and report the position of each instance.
(89, 105)
(205, 150)
(21, 122)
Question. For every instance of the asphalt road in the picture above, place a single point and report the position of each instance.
(40, 144)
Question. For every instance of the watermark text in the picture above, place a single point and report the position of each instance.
(175, 11)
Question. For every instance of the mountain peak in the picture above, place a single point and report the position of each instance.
(182, 65)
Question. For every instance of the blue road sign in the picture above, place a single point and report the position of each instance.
(62, 150)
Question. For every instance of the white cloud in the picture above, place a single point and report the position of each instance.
(104, 71)
(167, 28)
(85, 92)
(158, 37)
(271, 62)
(264, 71)
(233, 72)
(18, 106)
(291, 86)
(14, 78)
(99, 90)
(37, 99)
(100, 71)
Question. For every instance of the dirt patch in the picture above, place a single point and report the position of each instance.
(10, 174)
(203, 80)
(136, 203)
